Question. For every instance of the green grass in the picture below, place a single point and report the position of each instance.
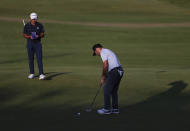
(98, 10)
(182, 3)
(154, 94)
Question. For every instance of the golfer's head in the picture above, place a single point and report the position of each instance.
(97, 49)
(33, 16)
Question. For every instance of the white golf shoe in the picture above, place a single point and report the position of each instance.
(42, 77)
(104, 111)
(31, 76)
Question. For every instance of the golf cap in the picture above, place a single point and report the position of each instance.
(33, 16)
(96, 46)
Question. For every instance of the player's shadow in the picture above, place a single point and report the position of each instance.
(51, 75)
(166, 109)
(165, 98)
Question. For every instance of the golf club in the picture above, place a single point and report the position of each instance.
(93, 101)
(23, 22)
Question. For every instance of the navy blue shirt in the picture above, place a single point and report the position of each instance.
(37, 28)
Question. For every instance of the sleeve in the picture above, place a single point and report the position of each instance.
(104, 56)
(25, 31)
(42, 29)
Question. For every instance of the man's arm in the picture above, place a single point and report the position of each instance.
(27, 36)
(30, 36)
(104, 72)
(41, 34)
(25, 31)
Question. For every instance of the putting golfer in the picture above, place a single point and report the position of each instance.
(33, 32)
(111, 77)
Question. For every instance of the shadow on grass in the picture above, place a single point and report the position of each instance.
(163, 112)
(51, 75)
(7, 94)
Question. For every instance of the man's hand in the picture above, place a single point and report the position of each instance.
(41, 35)
(28, 36)
(103, 80)
(34, 36)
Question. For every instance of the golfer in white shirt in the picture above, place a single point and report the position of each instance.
(111, 77)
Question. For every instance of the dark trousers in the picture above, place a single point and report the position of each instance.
(111, 88)
(33, 48)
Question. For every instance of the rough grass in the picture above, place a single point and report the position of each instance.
(96, 10)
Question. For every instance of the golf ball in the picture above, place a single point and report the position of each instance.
(78, 113)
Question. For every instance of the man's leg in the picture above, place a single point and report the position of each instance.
(108, 87)
(118, 77)
(38, 48)
(30, 51)
(115, 95)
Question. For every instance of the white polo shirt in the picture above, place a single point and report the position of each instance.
(111, 57)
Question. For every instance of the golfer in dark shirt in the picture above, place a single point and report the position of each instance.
(33, 32)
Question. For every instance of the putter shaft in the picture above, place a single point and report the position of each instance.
(95, 96)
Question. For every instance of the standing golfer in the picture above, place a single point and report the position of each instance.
(111, 77)
(33, 32)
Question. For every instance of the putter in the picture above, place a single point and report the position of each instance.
(93, 101)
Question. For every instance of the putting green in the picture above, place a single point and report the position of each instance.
(154, 92)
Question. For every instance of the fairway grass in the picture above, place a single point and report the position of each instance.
(153, 59)
(99, 10)
(154, 94)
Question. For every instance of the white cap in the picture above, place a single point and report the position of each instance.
(33, 16)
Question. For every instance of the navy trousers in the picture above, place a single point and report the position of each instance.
(111, 88)
(35, 48)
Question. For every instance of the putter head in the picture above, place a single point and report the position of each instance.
(88, 110)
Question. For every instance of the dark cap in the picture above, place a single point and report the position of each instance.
(96, 46)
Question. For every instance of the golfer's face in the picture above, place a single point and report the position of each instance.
(97, 51)
(34, 20)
